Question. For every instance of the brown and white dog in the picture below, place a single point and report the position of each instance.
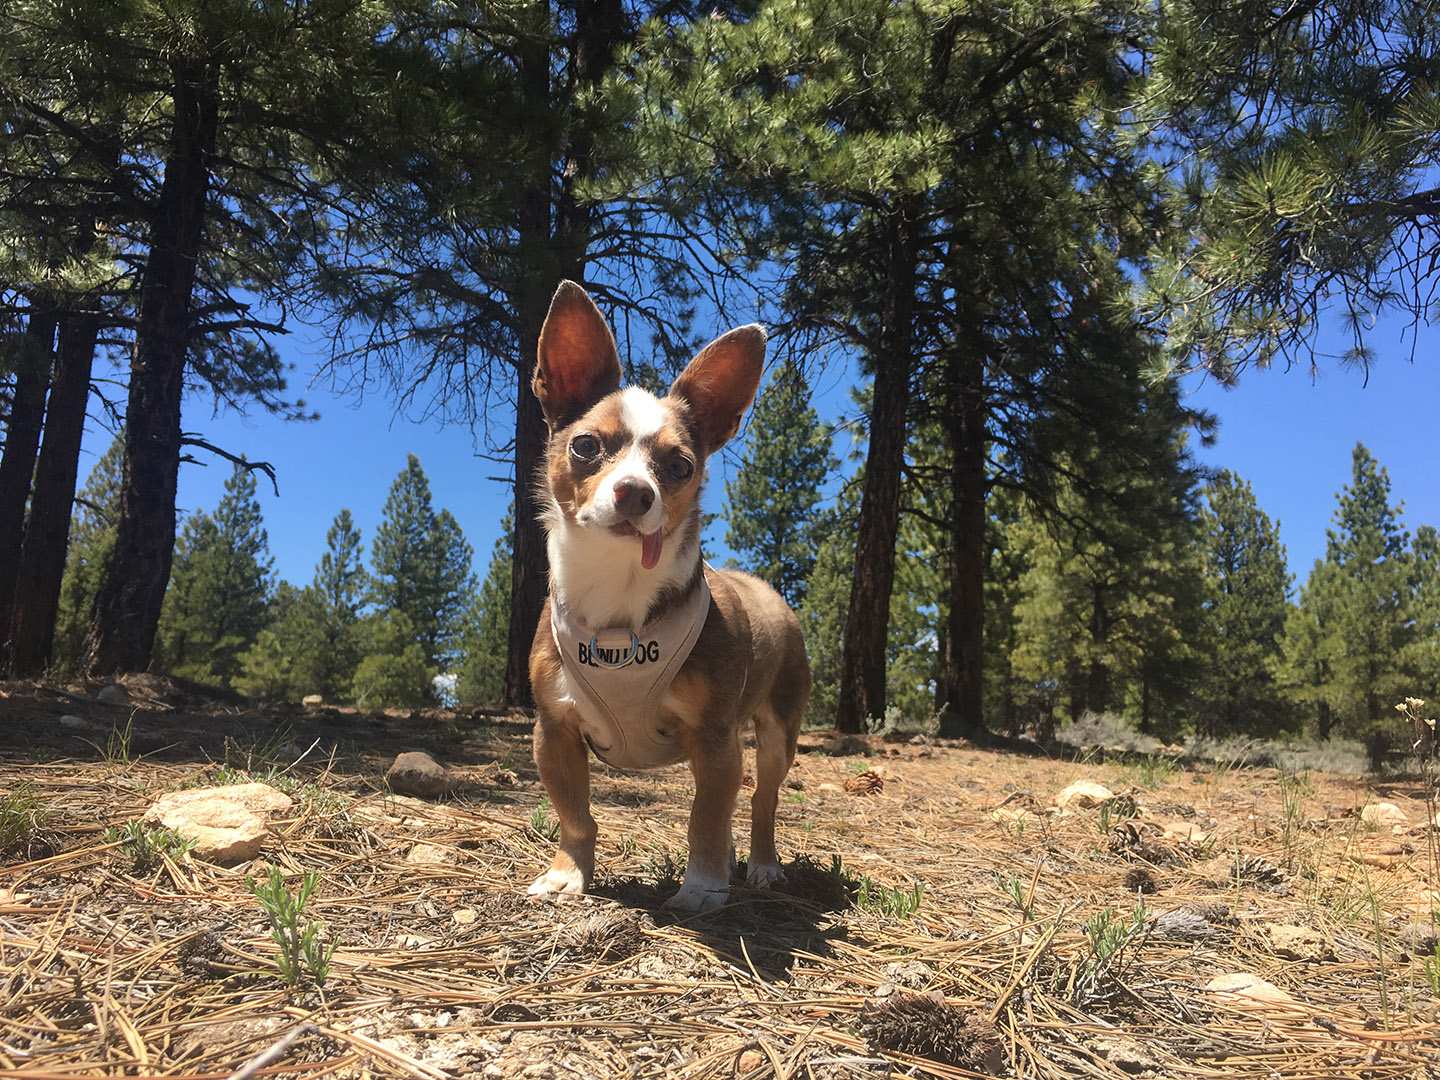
(643, 652)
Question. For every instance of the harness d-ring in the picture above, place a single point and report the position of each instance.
(629, 656)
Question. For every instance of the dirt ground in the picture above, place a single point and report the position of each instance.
(942, 916)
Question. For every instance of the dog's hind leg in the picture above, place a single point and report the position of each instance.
(774, 753)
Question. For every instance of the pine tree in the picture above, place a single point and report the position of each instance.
(822, 615)
(279, 664)
(420, 565)
(1246, 606)
(1320, 198)
(975, 277)
(1420, 658)
(332, 605)
(772, 506)
(1110, 602)
(394, 672)
(312, 644)
(487, 627)
(1344, 643)
(164, 192)
(217, 602)
(92, 535)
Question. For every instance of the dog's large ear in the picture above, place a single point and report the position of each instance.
(721, 382)
(576, 364)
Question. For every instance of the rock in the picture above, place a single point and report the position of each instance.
(114, 694)
(228, 825)
(1249, 988)
(1297, 942)
(1127, 1055)
(1419, 938)
(417, 773)
(431, 855)
(76, 723)
(312, 701)
(1184, 831)
(255, 797)
(1083, 795)
(1384, 815)
(846, 746)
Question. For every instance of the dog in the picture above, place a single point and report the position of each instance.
(644, 655)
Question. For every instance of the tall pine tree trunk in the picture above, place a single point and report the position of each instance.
(531, 298)
(22, 440)
(862, 658)
(1097, 675)
(529, 563)
(554, 244)
(47, 531)
(127, 609)
(964, 657)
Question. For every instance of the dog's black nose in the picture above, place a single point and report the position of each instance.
(633, 499)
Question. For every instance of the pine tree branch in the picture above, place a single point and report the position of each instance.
(250, 466)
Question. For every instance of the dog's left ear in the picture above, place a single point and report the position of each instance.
(721, 383)
(576, 364)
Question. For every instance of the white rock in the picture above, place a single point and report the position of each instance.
(1082, 795)
(1384, 815)
(227, 824)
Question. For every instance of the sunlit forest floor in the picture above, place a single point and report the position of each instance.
(943, 916)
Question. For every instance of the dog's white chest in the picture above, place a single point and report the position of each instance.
(618, 678)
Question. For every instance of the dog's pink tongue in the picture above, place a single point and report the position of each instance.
(650, 546)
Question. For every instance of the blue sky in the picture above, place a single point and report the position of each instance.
(1290, 436)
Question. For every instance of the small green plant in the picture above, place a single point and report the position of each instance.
(1150, 771)
(797, 797)
(1432, 969)
(1014, 889)
(117, 750)
(301, 949)
(663, 870)
(147, 844)
(891, 721)
(1112, 810)
(21, 817)
(1295, 788)
(542, 824)
(1113, 941)
(890, 901)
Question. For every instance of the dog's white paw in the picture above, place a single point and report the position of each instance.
(699, 893)
(557, 885)
(764, 875)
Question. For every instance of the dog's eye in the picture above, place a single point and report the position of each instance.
(585, 447)
(680, 468)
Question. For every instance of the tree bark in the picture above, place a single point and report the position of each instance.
(529, 565)
(964, 658)
(22, 440)
(127, 609)
(47, 531)
(554, 239)
(862, 659)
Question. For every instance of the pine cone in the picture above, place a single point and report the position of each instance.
(1259, 873)
(868, 782)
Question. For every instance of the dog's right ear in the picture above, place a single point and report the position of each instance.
(576, 364)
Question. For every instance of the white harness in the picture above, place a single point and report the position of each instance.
(619, 676)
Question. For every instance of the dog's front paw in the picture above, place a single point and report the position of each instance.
(700, 892)
(764, 875)
(557, 885)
